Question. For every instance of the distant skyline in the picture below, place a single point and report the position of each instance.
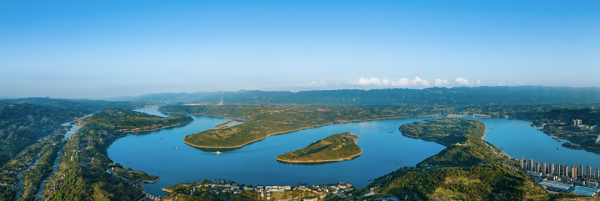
(103, 49)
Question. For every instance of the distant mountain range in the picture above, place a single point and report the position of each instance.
(79, 104)
(521, 95)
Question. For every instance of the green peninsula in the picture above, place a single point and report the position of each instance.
(338, 147)
(468, 169)
(85, 164)
(444, 131)
(262, 121)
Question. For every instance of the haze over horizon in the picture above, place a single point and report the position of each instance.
(73, 49)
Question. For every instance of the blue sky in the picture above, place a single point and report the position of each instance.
(100, 49)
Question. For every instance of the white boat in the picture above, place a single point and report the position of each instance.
(217, 152)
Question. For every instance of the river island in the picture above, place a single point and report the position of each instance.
(262, 121)
(338, 147)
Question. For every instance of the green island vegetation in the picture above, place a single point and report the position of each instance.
(86, 172)
(468, 169)
(31, 138)
(336, 147)
(262, 121)
(446, 131)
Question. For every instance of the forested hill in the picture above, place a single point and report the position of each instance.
(468, 169)
(438, 96)
(87, 151)
(80, 104)
(24, 124)
(336, 147)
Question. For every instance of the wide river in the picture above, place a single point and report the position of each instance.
(384, 150)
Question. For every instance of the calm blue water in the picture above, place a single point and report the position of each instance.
(518, 139)
(384, 150)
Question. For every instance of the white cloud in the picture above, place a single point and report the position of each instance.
(372, 81)
(383, 82)
(418, 81)
(313, 84)
(478, 82)
(440, 82)
(461, 81)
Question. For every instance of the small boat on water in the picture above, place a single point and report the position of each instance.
(175, 148)
(558, 149)
(217, 152)
(160, 138)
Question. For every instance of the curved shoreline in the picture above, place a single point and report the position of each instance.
(322, 161)
(277, 133)
(249, 142)
(150, 181)
(429, 140)
(442, 143)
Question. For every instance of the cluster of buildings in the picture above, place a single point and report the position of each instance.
(220, 186)
(578, 123)
(573, 172)
(563, 178)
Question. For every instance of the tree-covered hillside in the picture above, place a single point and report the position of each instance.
(468, 169)
(262, 121)
(335, 147)
(24, 124)
(86, 158)
(459, 96)
(80, 104)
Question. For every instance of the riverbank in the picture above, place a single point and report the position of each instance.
(153, 129)
(437, 141)
(322, 161)
(250, 142)
(278, 133)
(429, 140)
(442, 131)
(225, 124)
(335, 148)
(258, 159)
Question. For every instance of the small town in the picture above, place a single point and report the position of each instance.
(271, 192)
(576, 180)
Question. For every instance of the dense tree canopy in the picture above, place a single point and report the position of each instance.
(335, 147)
